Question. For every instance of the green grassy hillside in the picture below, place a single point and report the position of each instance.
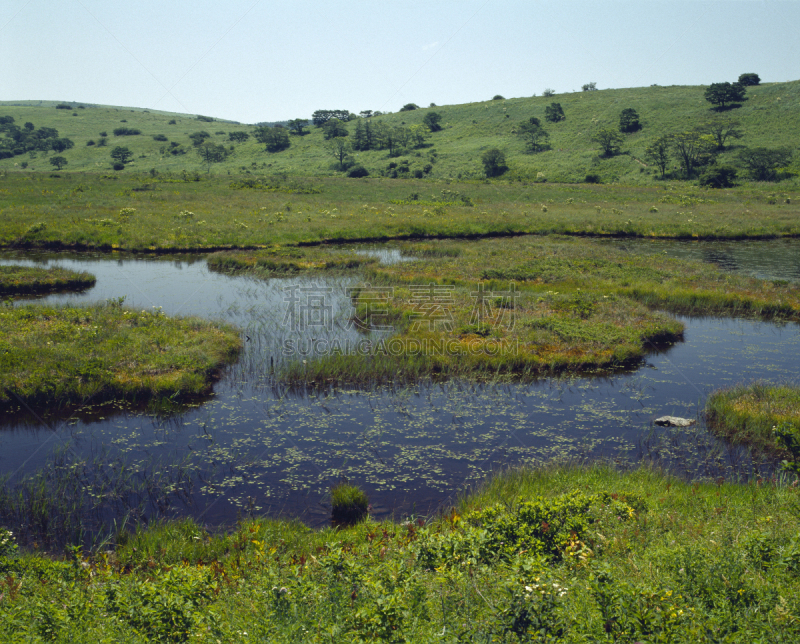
(770, 117)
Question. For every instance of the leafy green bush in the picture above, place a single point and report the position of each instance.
(126, 131)
(554, 113)
(718, 176)
(358, 171)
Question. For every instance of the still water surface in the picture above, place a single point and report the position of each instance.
(258, 447)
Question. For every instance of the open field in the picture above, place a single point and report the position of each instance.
(559, 554)
(142, 213)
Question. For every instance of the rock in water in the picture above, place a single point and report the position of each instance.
(674, 421)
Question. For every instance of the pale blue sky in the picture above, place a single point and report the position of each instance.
(251, 60)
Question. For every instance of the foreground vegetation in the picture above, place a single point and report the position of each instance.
(59, 356)
(559, 554)
(20, 280)
(748, 414)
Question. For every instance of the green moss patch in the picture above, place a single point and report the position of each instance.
(746, 414)
(20, 280)
(55, 356)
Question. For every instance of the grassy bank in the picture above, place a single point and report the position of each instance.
(23, 280)
(747, 414)
(144, 213)
(58, 356)
(559, 554)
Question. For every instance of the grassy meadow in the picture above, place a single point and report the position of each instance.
(564, 554)
(769, 118)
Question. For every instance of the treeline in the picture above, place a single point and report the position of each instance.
(18, 140)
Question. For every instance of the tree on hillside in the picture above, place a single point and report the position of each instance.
(58, 162)
(608, 139)
(554, 113)
(320, 117)
(59, 145)
(432, 120)
(494, 162)
(692, 150)
(274, 138)
(629, 120)
(548, 92)
(296, 126)
(719, 94)
(763, 163)
(197, 138)
(749, 80)
(534, 135)
(238, 137)
(339, 147)
(121, 154)
(409, 106)
(658, 153)
(721, 129)
(589, 87)
(212, 153)
(418, 134)
(334, 128)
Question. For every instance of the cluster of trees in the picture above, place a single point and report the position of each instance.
(275, 138)
(19, 140)
(320, 117)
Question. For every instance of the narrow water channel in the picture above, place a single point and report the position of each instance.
(257, 447)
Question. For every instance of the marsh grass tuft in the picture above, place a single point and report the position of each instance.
(25, 280)
(349, 504)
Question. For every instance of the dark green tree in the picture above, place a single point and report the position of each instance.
(121, 154)
(197, 138)
(629, 120)
(58, 162)
(409, 106)
(334, 128)
(297, 126)
(320, 117)
(59, 145)
(763, 163)
(494, 162)
(238, 137)
(608, 139)
(657, 153)
(589, 87)
(554, 113)
(534, 135)
(718, 176)
(749, 80)
(274, 138)
(433, 120)
(720, 94)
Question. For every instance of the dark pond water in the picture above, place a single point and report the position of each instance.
(252, 446)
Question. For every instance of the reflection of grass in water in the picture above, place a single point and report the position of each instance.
(747, 413)
(17, 280)
(81, 499)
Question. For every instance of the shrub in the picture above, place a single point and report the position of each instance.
(205, 119)
(593, 178)
(432, 120)
(548, 92)
(498, 97)
(103, 133)
(494, 162)
(418, 174)
(159, 137)
(90, 142)
(349, 504)
(63, 106)
(171, 122)
(358, 171)
(718, 176)
(589, 87)
(409, 106)
(118, 166)
(763, 163)
(629, 120)
(126, 131)
(554, 113)
(749, 79)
